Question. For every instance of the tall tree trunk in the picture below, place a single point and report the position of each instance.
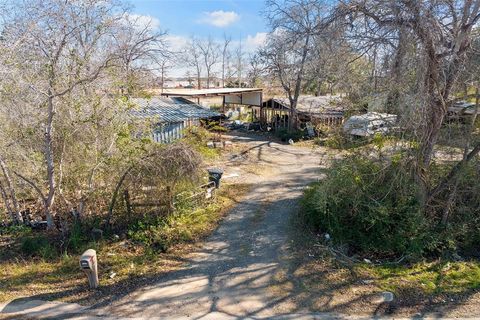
(50, 162)
(115, 195)
(223, 71)
(468, 155)
(393, 98)
(199, 84)
(6, 200)
(11, 191)
(298, 87)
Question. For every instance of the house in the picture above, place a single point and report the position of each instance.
(171, 116)
(310, 109)
(368, 124)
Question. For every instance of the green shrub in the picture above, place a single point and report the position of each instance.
(197, 137)
(185, 225)
(38, 246)
(286, 135)
(16, 230)
(370, 207)
(464, 220)
(77, 237)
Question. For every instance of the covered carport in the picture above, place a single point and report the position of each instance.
(230, 96)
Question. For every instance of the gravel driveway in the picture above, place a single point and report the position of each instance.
(231, 275)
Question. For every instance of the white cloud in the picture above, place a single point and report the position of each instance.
(176, 43)
(253, 42)
(142, 21)
(219, 18)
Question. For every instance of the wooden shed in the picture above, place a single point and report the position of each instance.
(316, 110)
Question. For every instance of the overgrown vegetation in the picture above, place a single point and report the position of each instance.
(187, 224)
(371, 207)
(197, 138)
(428, 278)
(135, 255)
(318, 269)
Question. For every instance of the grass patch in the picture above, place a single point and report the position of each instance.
(123, 265)
(325, 283)
(429, 278)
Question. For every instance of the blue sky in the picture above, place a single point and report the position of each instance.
(237, 18)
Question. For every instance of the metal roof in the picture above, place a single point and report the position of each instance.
(318, 106)
(208, 92)
(170, 109)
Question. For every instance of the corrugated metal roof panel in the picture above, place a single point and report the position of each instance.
(170, 110)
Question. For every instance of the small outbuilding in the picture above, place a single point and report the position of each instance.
(310, 109)
(230, 96)
(171, 116)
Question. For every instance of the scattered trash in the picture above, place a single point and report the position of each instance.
(112, 275)
(383, 297)
(367, 261)
(209, 193)
(310, 129)
(367, 281)
(116, 237)
(311, 255)
(290, 141)
(327, 237)
(111, 254)
(210, 144)
(231, 175)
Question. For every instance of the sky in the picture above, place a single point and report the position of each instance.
(239, 19)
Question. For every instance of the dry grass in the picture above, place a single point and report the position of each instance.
(123, 265)
(316, 279)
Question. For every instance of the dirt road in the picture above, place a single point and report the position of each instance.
(231, 275)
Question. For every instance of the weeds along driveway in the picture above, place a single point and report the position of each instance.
(232, 274)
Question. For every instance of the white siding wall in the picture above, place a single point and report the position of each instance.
(169, 132)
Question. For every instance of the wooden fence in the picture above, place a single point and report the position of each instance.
(201, 193)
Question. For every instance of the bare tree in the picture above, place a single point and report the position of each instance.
(443, 32)
(56, 43)
(57, 71)
(139, 47)
(193, 57)
(256, 69)
(239, 55)
(225, 57)
(209, 51)
(293, 25)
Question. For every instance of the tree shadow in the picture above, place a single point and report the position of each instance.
(255, 265)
